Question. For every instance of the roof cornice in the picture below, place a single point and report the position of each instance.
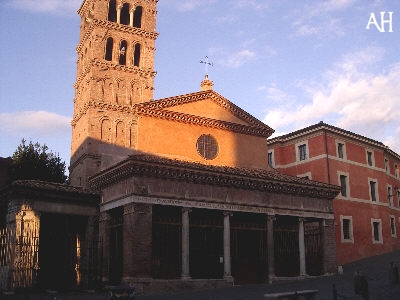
(240, 178)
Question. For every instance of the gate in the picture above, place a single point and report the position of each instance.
(286, 250)
(313, 244)
(19, 263)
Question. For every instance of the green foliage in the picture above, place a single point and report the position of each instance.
(33, 161)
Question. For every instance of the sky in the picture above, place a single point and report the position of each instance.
(289, 63)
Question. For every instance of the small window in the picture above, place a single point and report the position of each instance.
(343, 185)
(393, 226)
(340, 150)
(390, 195)
(347, 229)
(396, 170)
(125, 16)
(387, 168)
(271, 159)
(112, 11)
(137, 17)
(370, 158)
(302, 152)
(398, 197)
(122, 53)
(109, 49)
(136, 56)
(207, 146)
(372, 187)
(376, 231)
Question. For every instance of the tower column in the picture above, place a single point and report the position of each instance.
(131, 14)
(119, 8)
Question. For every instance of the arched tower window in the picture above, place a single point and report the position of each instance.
(125, 17)
(137, 17)
(109, 49)
(136, 56)
(112, 11)
(122, 53)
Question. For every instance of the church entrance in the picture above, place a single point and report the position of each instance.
(59, 251)
(206, 244)
(248, 248)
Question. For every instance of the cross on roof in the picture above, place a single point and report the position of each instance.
(206, 64)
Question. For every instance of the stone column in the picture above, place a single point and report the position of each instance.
(119, 8)
(131, 14)
(185, 243)
(137, 242)
(270, 247)
(104, 246)
(302, 248)
(227, 246)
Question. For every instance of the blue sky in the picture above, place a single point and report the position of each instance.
(289, 63)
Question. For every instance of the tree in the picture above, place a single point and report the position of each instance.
(33, 161)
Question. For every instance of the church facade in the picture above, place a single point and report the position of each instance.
(179, 191)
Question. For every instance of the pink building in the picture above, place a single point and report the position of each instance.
(367, 211)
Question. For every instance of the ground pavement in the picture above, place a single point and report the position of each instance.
(375, 269)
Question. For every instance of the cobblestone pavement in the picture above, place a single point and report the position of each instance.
(375, 270)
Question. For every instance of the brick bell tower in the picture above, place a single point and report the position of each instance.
(115, 70)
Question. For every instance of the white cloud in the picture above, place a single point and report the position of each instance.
(237, 59)
(37, 123)
(47, 6)
(352, 98)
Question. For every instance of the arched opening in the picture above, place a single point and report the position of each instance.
(136, 56)
(122, 53)
(112, 11)
(125, 17)
(137, 17)
(109, 49)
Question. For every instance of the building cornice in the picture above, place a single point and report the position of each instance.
(239, 178)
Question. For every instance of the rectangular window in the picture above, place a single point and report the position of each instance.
(340, 150)
(396, 170)
(343, 185)
(376, 231)
(303, 152)
(390, 195)
(372, 186)
(270, 159)
(347, 229)
(398, 197)
(393, 226)
(387, 169)
(370, 158)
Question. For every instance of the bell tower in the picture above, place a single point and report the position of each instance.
(115, 71)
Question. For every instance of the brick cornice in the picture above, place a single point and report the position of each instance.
(240, 178)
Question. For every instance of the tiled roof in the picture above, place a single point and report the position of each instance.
(246, 178)
(50, 186)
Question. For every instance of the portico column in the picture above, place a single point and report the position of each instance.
(302, 248)
(227, 245)
(104, 246)
(185, 243)
(270, 247)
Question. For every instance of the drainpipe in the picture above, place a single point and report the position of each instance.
(327, 157)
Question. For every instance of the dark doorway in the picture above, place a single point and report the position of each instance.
(206, 244)
(166, 241)
(313, 244)
(59, 250)
(248, 248)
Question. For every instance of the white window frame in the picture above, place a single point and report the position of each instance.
(351, 236)
(390, 195)
(394, 231)
(272, 152)
(344, 150)
(387, 165)
(347, 184)
(372, 157)
(304, 175)
(379, 221)
(297, 148)
(376, 190)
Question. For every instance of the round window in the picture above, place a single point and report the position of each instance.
(207, 146)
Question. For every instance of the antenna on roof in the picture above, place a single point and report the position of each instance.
(206, 64)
